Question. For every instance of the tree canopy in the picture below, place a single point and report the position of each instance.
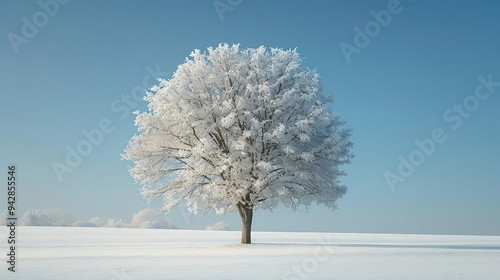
(240, 129)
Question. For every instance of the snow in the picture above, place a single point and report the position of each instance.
(128, 253)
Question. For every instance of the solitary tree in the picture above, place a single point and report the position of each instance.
(239, 130)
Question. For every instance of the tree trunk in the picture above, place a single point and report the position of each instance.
(246, 220)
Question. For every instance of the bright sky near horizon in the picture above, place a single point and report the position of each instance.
(417, 81)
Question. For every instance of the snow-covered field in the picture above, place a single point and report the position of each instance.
(125, 254)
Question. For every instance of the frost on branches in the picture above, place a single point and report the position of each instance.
(240, 130)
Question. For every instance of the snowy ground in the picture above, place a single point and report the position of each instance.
(136, 254)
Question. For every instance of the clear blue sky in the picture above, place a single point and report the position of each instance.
(395, 89)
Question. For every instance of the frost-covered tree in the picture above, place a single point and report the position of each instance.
(220, 226)
(83, 224)
(237, 130)
(150, 218)
(109, 223)
(47, 217)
